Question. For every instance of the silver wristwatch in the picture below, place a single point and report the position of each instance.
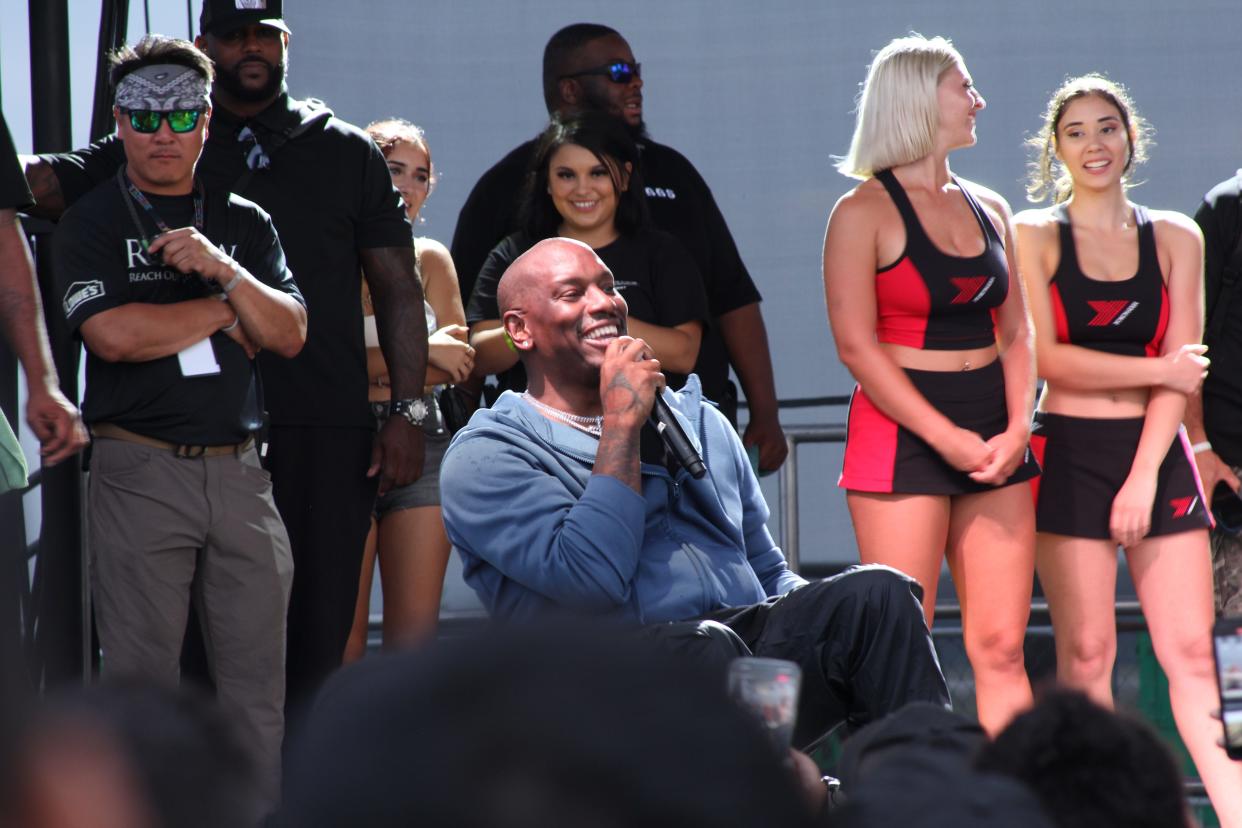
(415, 410)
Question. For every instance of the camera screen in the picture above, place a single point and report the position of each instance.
(1229, 666)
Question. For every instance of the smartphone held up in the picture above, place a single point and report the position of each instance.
(1227, 643)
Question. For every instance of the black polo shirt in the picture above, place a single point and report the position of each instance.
(101, 264)
(329, 194)
(14, 192)
(681, 204)
(651, 270)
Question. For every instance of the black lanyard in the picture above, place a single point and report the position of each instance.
(135, 195)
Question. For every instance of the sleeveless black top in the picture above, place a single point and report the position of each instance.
(931, 300)
(1126, 317)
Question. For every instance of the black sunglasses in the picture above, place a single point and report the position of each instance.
(619, 72)
(147, 121)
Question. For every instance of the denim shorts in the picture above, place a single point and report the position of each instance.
(425, 491)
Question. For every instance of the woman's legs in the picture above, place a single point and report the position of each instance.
(413, 554)
(356, 646)
(1173, 577)
(1079, 577)
(906, 532)
(991, 554)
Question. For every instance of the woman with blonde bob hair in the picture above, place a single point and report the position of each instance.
(1116, 294)
(929, 323)
(898, 111)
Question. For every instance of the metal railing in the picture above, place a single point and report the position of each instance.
(794, 437)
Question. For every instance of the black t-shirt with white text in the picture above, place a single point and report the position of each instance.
(101, 264)
(681, 204)
(329, 193)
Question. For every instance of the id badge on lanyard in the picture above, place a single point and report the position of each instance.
(199, 359)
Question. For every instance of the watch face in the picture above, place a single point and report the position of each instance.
(414, 411)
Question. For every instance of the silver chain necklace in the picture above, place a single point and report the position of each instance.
(588, 425)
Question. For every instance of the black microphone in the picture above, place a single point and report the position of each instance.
(675, 439)
(671, 432)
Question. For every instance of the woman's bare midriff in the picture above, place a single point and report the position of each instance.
(918, 359)
(1117, 403)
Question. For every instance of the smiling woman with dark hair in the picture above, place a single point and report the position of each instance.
(584, 184)
(1116, 294)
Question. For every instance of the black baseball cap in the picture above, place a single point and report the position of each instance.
(221, 16)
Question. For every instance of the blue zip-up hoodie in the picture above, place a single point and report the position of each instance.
(536, 530)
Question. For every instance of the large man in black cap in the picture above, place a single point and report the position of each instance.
(590, 67)
(331, 199)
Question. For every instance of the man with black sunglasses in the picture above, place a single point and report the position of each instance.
(590, 67)
(173, 286)
(330, 195)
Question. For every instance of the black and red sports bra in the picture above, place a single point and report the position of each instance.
(1126, 317)
(931, 300)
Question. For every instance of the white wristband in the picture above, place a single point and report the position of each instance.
(228, 288)
(1199, 448)
(230, 327)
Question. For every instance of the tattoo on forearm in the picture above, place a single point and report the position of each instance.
(21, 313)
(621, 382)
(617, 456)
(45, 187)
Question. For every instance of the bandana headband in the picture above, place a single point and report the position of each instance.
(163, 87)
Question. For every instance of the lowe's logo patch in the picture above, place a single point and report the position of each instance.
(80, 292)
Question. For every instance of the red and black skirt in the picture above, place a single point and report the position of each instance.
(882, 456)
(1086, 460)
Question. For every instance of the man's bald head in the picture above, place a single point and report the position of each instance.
(536, 266)
(558, 304)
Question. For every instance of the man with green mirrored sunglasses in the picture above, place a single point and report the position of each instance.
(162, 160)
(174, 285)
(148, 121)
(328, 191)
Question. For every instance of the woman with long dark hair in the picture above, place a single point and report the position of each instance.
(585, 184)
(1116, 294)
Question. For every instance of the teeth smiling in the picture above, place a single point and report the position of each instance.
(585, 205)
(603, 332)
(1095, 165)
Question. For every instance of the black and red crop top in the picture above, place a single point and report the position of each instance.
(1126, 317)
(931, 300)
